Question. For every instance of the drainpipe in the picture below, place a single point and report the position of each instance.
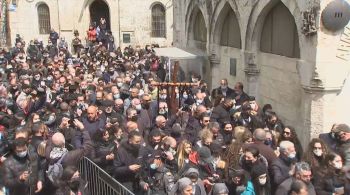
(119, 24)
(58, 15)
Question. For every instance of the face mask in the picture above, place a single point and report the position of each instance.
(49, 78)
(253, 106)
(116, 96)
(185, 96)
(199, 101)
(338, 165)
(145, 106)
(163, 112)
(172, 151)
(134, 118)
(153, 166)
(135, 146)
(37, 78)
(292, 155)
(163, 97)
(194, 80)
(318, 152)
(262, 181)
(138, 107)
(268, 142)
(22, 154)
(224, 87)
(248, 162)
(74, 184)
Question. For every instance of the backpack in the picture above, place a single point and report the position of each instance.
(54, 172)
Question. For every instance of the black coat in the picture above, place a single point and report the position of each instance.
(326, 183)
(220, 114)
(124, 158)
(230, 93)
(280, 170)
(15, 166)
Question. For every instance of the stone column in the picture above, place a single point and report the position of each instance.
(252, 74)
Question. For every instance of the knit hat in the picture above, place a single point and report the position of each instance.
(258, 170)
(205, 154)
(183, 183)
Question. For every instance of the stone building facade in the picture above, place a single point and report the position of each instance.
(272, 47)
(132, 22)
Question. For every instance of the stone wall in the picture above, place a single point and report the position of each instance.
(306, 92)
(67, 16)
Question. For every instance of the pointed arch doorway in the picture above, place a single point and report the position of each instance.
(99, 9)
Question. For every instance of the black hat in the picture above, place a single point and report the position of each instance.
(258, 170)
(215, 148)
(205, 154)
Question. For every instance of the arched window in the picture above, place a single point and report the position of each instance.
(199, 28)
(230, 34)
(158, 21)
(279, 35)
(44, 19)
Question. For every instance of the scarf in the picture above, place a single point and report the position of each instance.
(57, 152)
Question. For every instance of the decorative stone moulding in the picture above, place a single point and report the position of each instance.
(336, 15)
(309, 22)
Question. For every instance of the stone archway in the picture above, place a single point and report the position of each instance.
(99, 9)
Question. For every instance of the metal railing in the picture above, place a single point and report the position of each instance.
(100, 182)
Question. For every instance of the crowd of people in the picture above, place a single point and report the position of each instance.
(104, 104)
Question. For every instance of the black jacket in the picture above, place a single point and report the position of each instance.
(124, 158)
(280, 170)
(15, 166)
(230, 93)
(220, 114)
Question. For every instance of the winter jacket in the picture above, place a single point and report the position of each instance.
(72, 158)
(280, 170)
(15, 166)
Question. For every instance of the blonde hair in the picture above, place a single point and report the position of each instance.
(205, 134)
(41, 149)
(238, 133)
(182, 153)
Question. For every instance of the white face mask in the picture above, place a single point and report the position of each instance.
(338, 165)
(318, 152)
(138, 107)
(292, 155)
(262, 181)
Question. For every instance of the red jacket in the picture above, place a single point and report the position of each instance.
(91, 35)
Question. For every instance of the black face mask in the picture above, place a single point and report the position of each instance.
(245, 115)
(74, 184)
(248, 163)
(145, 106)
(134, 118)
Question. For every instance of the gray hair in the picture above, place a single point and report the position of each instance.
(214, 125)
(284, 145)
(259, 134)
(302, 166)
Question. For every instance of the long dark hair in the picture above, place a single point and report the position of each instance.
(294, 139)
(310, 157)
